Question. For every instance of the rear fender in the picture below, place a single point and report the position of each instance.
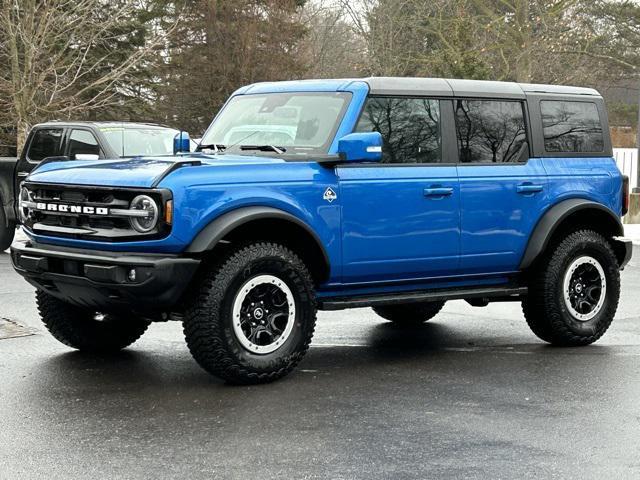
(554, 218)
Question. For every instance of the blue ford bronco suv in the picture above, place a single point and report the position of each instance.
(393, 193)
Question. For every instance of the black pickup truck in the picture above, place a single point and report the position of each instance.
(76, 141)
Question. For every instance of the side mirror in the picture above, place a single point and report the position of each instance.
(360, 147)
(87, 156)
(181, 143)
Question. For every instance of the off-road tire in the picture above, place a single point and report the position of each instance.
(208, 322)
(544, 307)
(77, 327)
(409, 314)
(7, 233)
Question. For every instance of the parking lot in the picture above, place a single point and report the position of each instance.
(472, 394)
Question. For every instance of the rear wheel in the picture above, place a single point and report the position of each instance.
(574, 296)
(86, 330)
(409, 314)
(254, 316)
(7, 233)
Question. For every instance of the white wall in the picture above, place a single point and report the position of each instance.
(627, 160)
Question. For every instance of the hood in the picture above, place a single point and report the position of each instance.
(139, 172)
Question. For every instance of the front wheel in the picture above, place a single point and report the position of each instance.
(7, 232)
(86, 330)
(573, 297)
(253, 318)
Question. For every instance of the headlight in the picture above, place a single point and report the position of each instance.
(25, 197)
(144, 224)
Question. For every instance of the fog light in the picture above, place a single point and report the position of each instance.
(132, 275)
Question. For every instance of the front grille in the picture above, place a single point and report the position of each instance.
(87, 212)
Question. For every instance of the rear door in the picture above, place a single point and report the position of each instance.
(503, 191)
(576, 150)
(401, 217)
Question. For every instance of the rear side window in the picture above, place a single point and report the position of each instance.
(491, 131)
(572, 127)
(84, 143)
(45, 143)
(410, 128)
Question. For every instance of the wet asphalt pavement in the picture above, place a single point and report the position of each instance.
(472, 394)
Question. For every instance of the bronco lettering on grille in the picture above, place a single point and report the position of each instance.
(65, 208)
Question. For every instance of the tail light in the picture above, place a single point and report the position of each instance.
(625, 195)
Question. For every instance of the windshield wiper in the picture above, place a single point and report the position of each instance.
(264, 148)
(216, 147)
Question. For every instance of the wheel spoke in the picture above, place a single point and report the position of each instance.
(593, 293)
(278, 322)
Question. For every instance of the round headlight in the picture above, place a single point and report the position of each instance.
(144, 223)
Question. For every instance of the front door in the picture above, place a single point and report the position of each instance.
(401, 217)
(44, 142)
(82, 145)
(502, 191)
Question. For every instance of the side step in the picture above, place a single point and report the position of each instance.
(495, 293)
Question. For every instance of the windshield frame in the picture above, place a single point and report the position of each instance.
(290, 150)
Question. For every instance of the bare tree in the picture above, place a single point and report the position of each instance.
(331, 48)
(60, 57)
(221, 45)
(555, 41)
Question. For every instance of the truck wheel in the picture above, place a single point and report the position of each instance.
(410, 314)
(253, 317)
(573, 297)
(85, 330)
(6, 232)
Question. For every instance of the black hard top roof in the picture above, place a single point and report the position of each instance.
(466, 88)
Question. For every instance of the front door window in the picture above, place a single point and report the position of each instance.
(410, 128)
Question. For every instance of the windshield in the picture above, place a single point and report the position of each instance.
(293, 122)
(135, 141)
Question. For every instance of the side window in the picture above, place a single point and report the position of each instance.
(491, 131)
(82, 142)
(45, 143)
(410, 128)
(572, 127)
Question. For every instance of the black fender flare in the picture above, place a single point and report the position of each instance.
(553, 218)
(209, 236)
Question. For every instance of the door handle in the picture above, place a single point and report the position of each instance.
(438, 191)
(526, 188)
(23, 174)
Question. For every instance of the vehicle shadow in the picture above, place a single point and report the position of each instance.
(171, 367)
(389, 338)
(422, 351)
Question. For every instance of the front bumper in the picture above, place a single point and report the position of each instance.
(102, 280)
